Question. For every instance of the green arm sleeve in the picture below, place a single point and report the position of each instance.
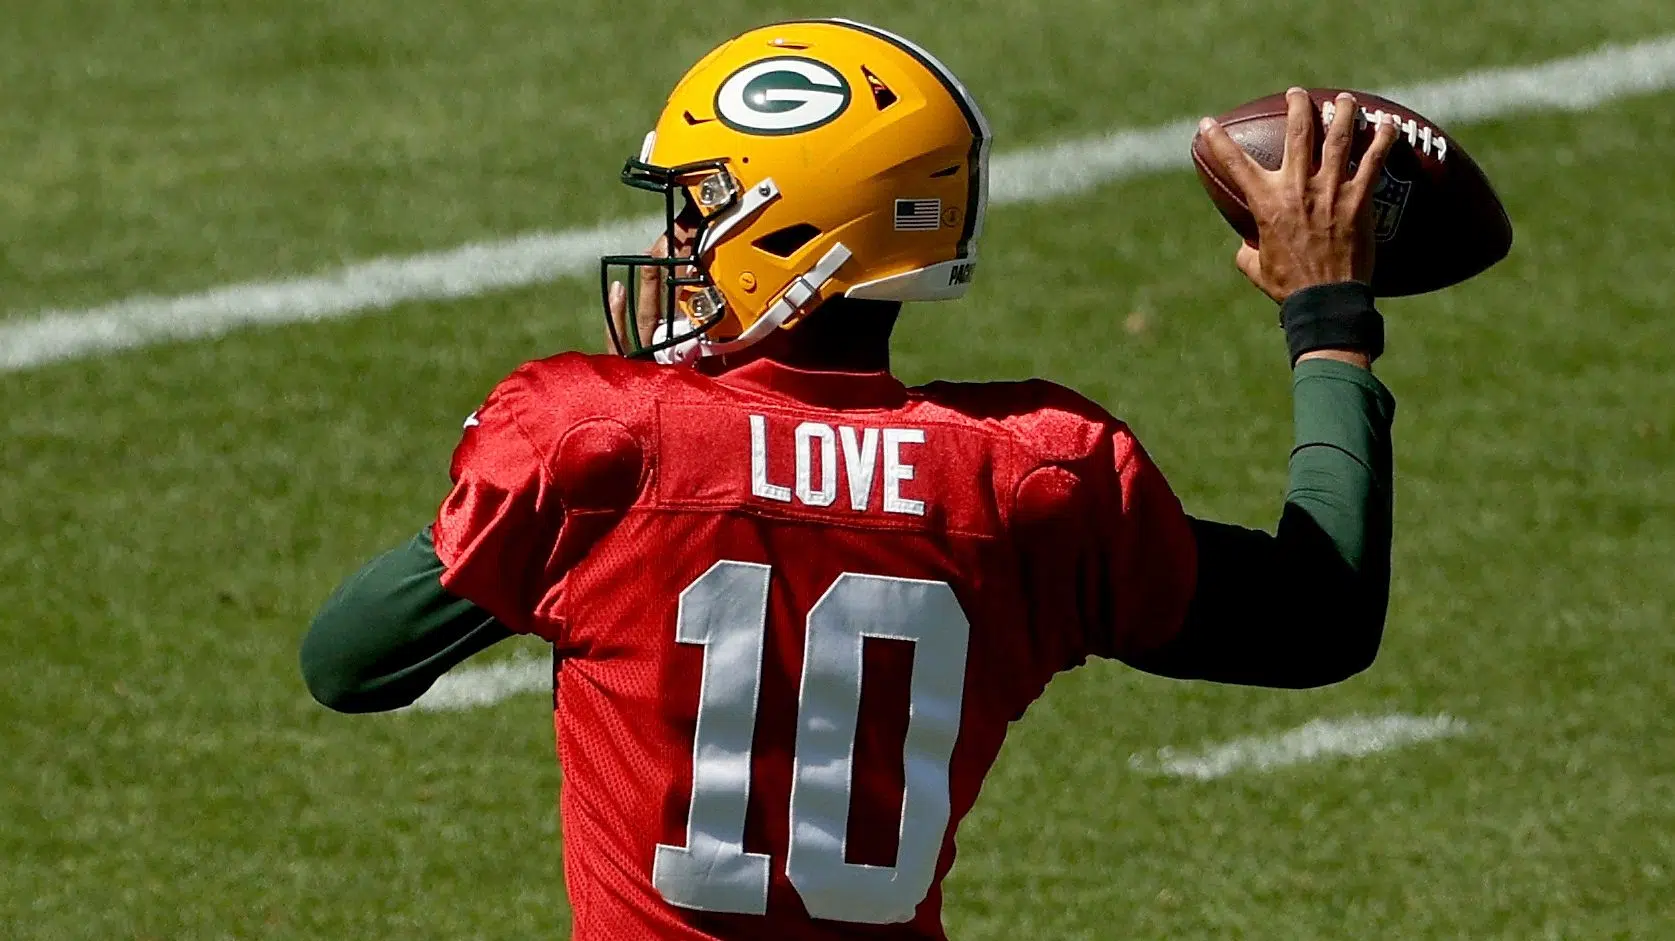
(1305, 606)
(1341, 473)
(390, 630)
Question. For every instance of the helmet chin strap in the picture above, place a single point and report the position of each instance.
(681, 353)
(801, 291)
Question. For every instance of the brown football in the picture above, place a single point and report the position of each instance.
(1437, 219)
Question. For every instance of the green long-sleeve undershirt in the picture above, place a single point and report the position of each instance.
(388, 632)
(1302, 607)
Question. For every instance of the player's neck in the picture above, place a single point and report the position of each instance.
(842, 336)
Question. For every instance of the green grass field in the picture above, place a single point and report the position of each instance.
(173, 515)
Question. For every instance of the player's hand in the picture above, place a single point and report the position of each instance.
(649, 282)
(649, 285)
(1314, 223)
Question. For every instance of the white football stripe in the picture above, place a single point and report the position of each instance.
(1029, 175)
(1322, 738)
(477, 687)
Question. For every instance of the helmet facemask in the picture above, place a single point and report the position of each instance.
(690, 305)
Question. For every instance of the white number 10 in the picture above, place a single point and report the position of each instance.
(726, 612)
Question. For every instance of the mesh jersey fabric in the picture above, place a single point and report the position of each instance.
(793, 615)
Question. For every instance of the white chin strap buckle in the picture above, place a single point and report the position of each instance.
(681, 353)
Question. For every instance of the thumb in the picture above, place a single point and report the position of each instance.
(1249, 260)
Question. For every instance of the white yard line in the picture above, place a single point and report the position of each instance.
(466, 271)
(1353, 737)
(1357, 736)
(482, 686)
(1577, 83)
(1034, 174)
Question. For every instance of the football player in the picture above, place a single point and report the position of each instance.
(793, 603)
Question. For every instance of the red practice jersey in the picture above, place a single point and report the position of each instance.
(794, 614)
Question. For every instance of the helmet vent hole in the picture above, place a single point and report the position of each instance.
(882, 96)
(946, 171)
(785, 242)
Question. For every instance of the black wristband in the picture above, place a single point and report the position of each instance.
(1332, 317)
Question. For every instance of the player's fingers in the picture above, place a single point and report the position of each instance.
(686, 238)
(617, 304)
(1372, 162)
(649, 291)
(1298, 162)
(1340, 134)
(1234, 162)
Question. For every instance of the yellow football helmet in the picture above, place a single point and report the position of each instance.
(812, 159)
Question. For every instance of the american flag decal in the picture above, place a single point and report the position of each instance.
(918, 215)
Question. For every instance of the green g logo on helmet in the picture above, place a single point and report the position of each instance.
(784, 95)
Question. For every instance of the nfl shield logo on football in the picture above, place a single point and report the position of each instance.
(1389, 201)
